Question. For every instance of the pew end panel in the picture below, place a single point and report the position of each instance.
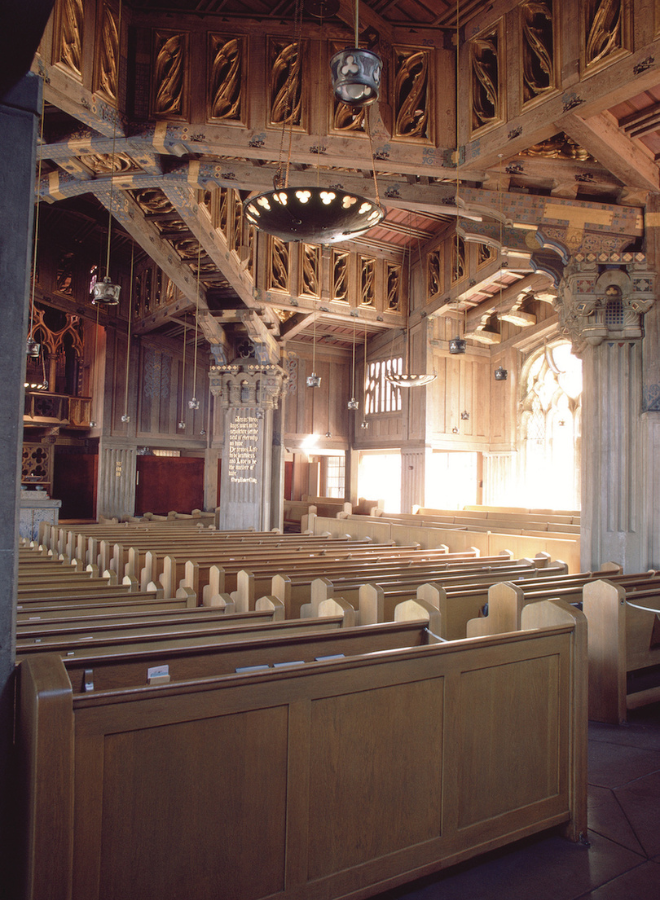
(270, 820)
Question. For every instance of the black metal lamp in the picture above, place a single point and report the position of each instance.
(501, 374)
(457, 345)
(356, 72)
(312, 214)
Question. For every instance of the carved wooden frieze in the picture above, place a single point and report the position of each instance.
(236, 237)
(278, 265)
(153, 201)
(486, 62)
(285, 88)
(69, 35)
(251, 250)
(340, 275)
(434, 272)
(223, 211)
(169, 74)
(537, 48)
(393, 286)
(310, 270)
(458, 269)
(367, 281)
(412, 94)
(107, 54)
(604, 32)
(110, 164)
(226, 66)
(485, 253)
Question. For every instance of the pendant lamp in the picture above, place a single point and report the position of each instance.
(356, 72)
(315, 214)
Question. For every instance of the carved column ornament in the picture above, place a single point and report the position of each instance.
(603, 297)
(247, 384)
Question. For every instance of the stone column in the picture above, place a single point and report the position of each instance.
(19, 115)
(248, 391)
(602, 302)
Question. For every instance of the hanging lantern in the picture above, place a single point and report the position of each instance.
(32, 348)
(193, 404)
(501, 374)
(313, 380)
(105, 293)
(126, 418)
(457, 345)
(353, 403)
(356, 76)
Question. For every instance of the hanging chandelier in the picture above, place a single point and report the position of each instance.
(315, 214)
(312, 214)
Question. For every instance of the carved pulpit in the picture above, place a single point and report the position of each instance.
(249, 392)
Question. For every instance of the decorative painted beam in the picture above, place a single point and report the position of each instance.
(68, 94)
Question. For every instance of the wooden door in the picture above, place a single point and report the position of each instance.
(166, 483)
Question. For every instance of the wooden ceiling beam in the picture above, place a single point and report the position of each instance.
(602, 137)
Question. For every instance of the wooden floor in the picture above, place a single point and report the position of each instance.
(623, 860)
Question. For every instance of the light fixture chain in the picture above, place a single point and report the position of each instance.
(36, 214)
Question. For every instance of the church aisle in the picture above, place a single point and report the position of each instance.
(623, 860)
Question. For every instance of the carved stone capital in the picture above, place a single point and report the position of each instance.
(604, 296)
(247, 384)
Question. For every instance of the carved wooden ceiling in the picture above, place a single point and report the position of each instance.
(558, 141)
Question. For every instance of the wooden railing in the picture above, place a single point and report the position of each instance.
(61, 409)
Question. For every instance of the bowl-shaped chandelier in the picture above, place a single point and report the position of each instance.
(400, 380)
(313, 214)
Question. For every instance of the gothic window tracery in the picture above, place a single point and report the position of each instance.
(550, 428)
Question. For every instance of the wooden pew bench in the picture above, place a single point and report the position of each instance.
(624, 649)
(288, 781)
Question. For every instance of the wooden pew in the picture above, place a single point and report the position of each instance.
(624, 649)
(288, 781)
(159, 638)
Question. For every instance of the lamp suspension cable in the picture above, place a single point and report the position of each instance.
(458, 344)
(182, 423)
(105, 291)
(194, 402)
(501, 373)
(126, 418)
(32, 346)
